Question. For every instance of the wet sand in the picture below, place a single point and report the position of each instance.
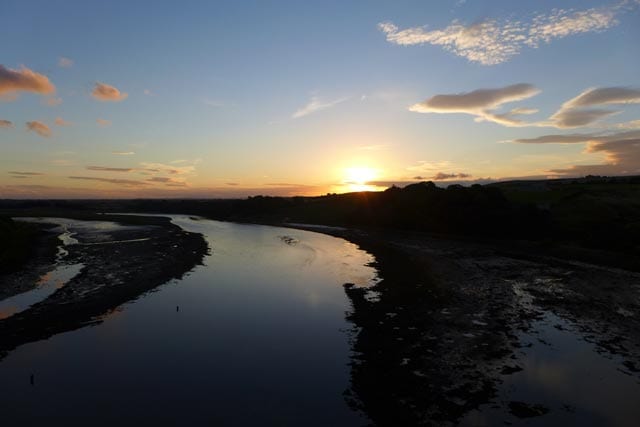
(451, 322)
(118, 265)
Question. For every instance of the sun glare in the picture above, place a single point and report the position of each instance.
(359, 175)
(358, 178)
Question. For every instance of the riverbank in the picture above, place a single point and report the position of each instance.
(41, 254)
(451, 320)
(119, 263)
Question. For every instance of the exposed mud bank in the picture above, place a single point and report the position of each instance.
(447, 325)
(119, 264)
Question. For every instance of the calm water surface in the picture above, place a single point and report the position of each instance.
(257, 336)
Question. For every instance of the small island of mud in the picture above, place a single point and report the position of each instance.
(117, 264)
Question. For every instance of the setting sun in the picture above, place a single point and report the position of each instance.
(358, 178)
(359, 175)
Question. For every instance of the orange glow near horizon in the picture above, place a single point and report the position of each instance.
(358, 178)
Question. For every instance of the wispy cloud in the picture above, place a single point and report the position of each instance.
(168, 169)
(62, 122)
(65, 62)
(577, 112)
(24, 80)
(481, 103)
(52, 101)
(39, 128)
(20, 174)
(117, 181)
(213, 103)
(430, 167)
(621, 150)
(170, 181)
(494, 41)
(109, 169)
(123, 153)
(314, 105)
(6, 124)
(103, 122)
(105, 92)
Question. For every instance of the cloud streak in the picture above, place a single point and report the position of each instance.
(39, 128)
(52, 102)
(116, 181)
(62, 122)
(314, 105)
(6, 124)
(495, 41)
(584, 110)
(105, 92)
(24, 80)
(25, 174)
(481, 103)
(65, 62)
(109, 169)
(621, 150)
(577, 111)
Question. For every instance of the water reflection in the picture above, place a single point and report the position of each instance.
(569, 377)
(256, 336)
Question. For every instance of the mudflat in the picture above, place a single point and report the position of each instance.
(118, 265)
(452, 322)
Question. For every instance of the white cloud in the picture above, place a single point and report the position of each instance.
(495, 41)
(314, 105)
(482, 103)
(576, 112)
(65, 62)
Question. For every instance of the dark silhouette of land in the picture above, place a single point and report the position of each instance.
(459, 268)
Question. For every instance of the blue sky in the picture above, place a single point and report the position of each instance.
(236, 98)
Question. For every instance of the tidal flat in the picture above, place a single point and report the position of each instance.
(464, 333)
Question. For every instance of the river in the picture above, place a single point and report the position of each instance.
(257, 335)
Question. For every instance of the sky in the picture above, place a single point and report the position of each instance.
(238, 98)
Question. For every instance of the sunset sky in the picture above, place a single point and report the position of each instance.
(222, 99)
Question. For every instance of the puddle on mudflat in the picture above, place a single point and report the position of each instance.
(50, 281)
(88, 231)
(47, 285)
(564, 376)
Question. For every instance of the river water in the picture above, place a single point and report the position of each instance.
(256, 336)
